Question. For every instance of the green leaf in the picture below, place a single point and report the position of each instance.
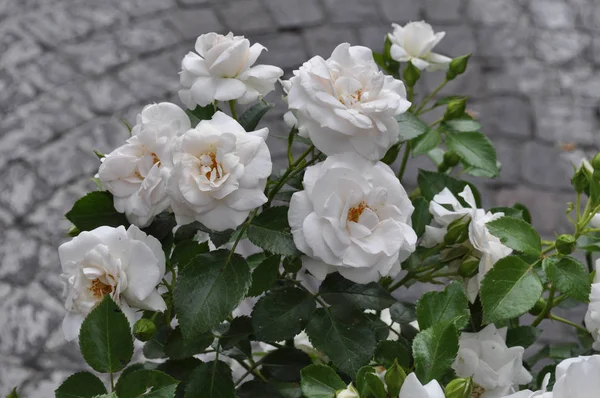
(388, 351)
(211, 380)
(180, 370)
(434, 351)
(188, 231)
(240, 329)
(282, 314)
(376, 387)
(80, 385)
(463, 125)
(251, 117)
(264, 276)
(476, 150)
(185, 252)
(451, 305)
(335, 289)
(431, 183)
(105, 338)
(320, 381)
(523, 336)
(146, 383)
(13, 393)
(509, 212)
(208, 289)
(200, 113)
(178, 348)
(155, 348)
(402, 312)
(257, 388)
(421, 217)
(392, 153)
(95, 210)
(285, 364)
(270, 230)
(410, 126)
(162, 226)
(516, 234)
(343, 336)
(509, 289)
(426, 142)
(570, 277)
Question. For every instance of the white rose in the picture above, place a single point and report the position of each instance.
(136, 172)
(352, 217)
(219, 173)
(345, 104)
(577, 378)
(592, 317)
(222, 69)
(494, 366)
(534, 394)
(127, 264)
(412, 387)
(414, 42)
(349, 392)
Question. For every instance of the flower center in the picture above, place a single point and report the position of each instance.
(155, 160)
(350, 100)
(355, 212)
(210, 167)
(477, 392)
(100, 289)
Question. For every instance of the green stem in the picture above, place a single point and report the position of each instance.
(112, 382)
(578, 206)
(549, 248)
(404, 161)
(430, 96)
(567, 322)
(286, 175)
(251, 369)
(290, 155)
(546, 309)
(233, 110)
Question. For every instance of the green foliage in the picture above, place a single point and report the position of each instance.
(337, 290)
(389, 352)
(411, 126)
(431, 184)
(475, 150)
(270, 231)
(146, 383)
(177, 348)
(320, 381)
(427, 141)
(421, 217)
(570, 277)
(451, 305)
(200, 113)
(80, 385)
(285, 364)
(188, 231)
(252, 116)
(434, 350)
(523, 336)
(211, 380)
(95, 210)
(516, 234)
(394, 378)
(265, 275)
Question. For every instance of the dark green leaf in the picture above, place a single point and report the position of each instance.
(590, 243)
(392, 153)
(200, 113)
(376, 387)
(475, 149)
(320, 381)
(562, 351)
(178, 348)
(285, 364)
(95, 210)
(431, 184)
(211, 380)
(270, 231)
(516, 234)
(509, 289)
(208, 289)
(282, 314)
(387, 351)
(344, 337)
(434, 351)
(80, 385)
(155, 348)
(509, 211)
(570, 277)
(105, 338)
(421, 217)
(523, 336)
(251, 117)
(335, 289)
(146, 383)
(426, 142)
(361, 380)
(188, 231)
(256, 388)
(13, 393)
(463, 125)
(410, 126)
(265, 276)
(451, 305)
(162, 226)
(402, 312)
(185, 252)
(180, 370)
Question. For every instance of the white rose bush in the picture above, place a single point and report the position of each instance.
(236, 277)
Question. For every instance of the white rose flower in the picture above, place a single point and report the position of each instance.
(352, 217)
(127, 264)
(577, 378)
(222, 69)
(136, 172)
(592, 317)
(219, 173)
(534, 394)
(414, 42)
(412, 387)
(349, 392)
(495, 367)
(346, 104)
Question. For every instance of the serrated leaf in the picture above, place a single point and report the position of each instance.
(178, 348)
(411, 126)
(282, 314)
(257, 388)
(320, 381)
(451, 305)
(179, 370)
(434, 350)
(240, 329)
(402, 312)
(335, 289)
(211, 380)
(188, 231)
(95, 210)
(426, 142)
(343, 336)
(387, 351)
(264, 276)
(392, 153)
(523, 336)
(146, 383)
(270, 231)
(208, 289)
(105, 338)
(80, 385)
(251, 117)
(516, 234)
(570, 277)
(476, 150)
(421, 217)
(509, 289)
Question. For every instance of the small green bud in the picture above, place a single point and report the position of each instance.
(469, 267)
(456, 109)
(394, 378)
(451, 159)
(144, 329)
(565, 244)
(580, 180)
(458, 231)
(596, 162)
(538, 307)
(596, 174)
(457, 66)
(459, 388)
(411, 74)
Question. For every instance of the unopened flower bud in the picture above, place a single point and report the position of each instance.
(456, 109)
(457, 66)
(565, 244)
(459, 388)
(469, 267)
(394, 378)
(538, 307)
(144, 329)
(451, 159)
(596, 162)
(458, 231)
(580, 180)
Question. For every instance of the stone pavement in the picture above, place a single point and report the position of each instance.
(69, 69)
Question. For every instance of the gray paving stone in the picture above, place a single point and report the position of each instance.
(555, 47)
(596, 50)
(55, 25)
(102, 134)
(192, 23)
(289, 13)
(401, 11)
(39, 387)
(137, 8)
(16, 45)
(286, 50)
(562, 120)
(542, 166)
(18, 258)
(246, 16)
(322, 40)
(494, 12)
(108, 95)
(552, 14)
(12, 373)
(505, 41)
(351, 11)
(470, 83)
(193, 2)
(100, 14)
(373, 36)
(459, 40)
(443, 10)
(14, 91)
(20, 187)
(506, 116)
(529, 77)
(47, 72)
(147, 36)
(96, 55)
(509, 154)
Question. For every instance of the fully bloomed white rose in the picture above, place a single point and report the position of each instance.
(488, 247)
(346, 104)
(495, 367)
(534, 394)
(414, 43)
(577, 378)
(352, 217)
(219, 173)
(127, 264)
(412, 388)
(136, 172)
(222, 69)
(592, 317)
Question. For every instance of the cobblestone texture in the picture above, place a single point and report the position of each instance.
(69, 69)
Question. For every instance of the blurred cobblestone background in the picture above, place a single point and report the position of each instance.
(69, 69)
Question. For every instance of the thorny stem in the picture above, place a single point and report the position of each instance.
(567, 322)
